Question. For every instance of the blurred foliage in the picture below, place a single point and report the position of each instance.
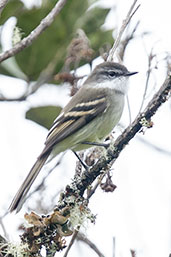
(44, 115)
(50, 48)
(53, 42)
(91, 23)
(13, 8)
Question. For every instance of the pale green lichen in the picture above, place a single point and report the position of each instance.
(145, 123)
(80, 216)
(17, 35)
(15, 249)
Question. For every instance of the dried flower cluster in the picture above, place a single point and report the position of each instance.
(50, 231)
(47, 231)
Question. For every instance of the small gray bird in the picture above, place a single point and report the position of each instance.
(89, 117)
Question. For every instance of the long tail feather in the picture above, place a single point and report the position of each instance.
(19, 198)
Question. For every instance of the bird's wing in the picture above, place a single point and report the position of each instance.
(74, 119)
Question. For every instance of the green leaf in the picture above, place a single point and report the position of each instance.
(53, 42)
(50, 48)
(44, 115)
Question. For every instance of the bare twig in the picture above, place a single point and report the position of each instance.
(27, 41)
(114, 247)
(3, 3)
(81, 237)
(129, 108)
(133, 253)
(150, 58)
(98, 182)
(122, 29)
(155, 147)
(121, 53)
(126, 41)
(71, 242)
(149, 144)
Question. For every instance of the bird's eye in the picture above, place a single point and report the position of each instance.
(111, 74)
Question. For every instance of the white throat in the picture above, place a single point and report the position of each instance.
(119, 84)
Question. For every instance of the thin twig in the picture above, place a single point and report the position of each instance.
(97, 184)
(151, 145)
(133, 253)
(114, 247)
(81, 237)
(150, 58)
(129, 108)
(27, 41)
(155, 147)
(3, 3)
(71, 242)
(122, 29)
(126, 41)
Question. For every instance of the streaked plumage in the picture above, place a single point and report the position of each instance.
(89, 116)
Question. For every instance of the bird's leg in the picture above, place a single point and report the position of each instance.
(105, 145)
(81, 161)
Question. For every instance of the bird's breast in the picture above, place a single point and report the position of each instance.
(111, 116)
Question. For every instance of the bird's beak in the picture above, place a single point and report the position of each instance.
(131, 73)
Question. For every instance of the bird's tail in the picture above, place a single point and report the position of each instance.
(19, 198)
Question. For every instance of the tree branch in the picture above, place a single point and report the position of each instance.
(27, 41)
(142, 120)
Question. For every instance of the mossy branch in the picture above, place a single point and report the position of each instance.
(142, 120)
